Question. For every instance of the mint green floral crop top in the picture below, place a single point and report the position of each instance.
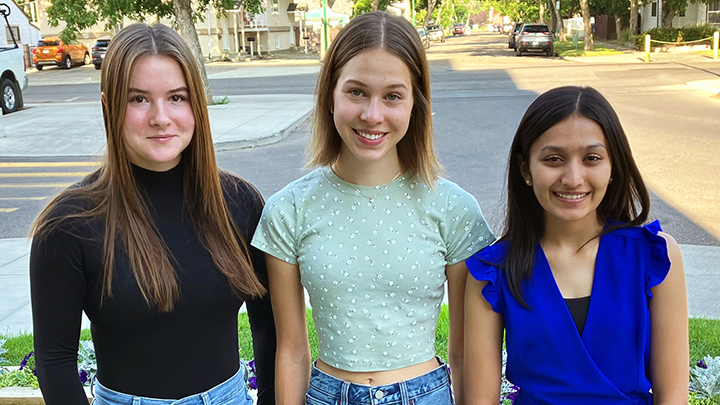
(374, 270)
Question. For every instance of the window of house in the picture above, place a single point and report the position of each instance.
(714, 12)
(654, 9)
(277, 42)
(275, 6)
(15, 31)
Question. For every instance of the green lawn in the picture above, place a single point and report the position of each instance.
(566, 49)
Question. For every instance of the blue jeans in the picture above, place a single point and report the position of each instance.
(432, 388)
(230, 392)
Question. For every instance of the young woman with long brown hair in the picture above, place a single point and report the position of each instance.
(152, 247)
(373, 233)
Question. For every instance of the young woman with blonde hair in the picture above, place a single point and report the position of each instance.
(152, 247)
(372, 233)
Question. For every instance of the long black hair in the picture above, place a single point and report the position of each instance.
(626, 202)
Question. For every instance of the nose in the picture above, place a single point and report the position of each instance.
(373, 112)
(159, 115)
(573, 175)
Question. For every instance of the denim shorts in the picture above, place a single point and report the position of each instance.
(230, 392)
(432, 388)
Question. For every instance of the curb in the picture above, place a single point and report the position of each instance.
(262, 141)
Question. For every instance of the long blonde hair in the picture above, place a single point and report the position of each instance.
(378, 30)
(111, 193)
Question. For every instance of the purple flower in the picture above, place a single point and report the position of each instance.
(701, 364)
(24, 362)
(252, 383)
(251, 364)
(83, 376)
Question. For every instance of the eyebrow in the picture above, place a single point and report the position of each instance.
(553, 148)
(140, 91)
(391, 86)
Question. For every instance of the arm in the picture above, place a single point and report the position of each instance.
(456, 276)
(669, 357)
(262, 325)
(483, 347)
(292, 373)
(57, 291)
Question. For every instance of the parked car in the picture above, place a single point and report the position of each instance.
(99, 51)
(534, 37)
(459, 29)
(52, 51)
(424, 38)
(512, 37)
(12, 71)
(435, 33)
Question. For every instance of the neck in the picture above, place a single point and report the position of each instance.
(572, 234)
(361, 173)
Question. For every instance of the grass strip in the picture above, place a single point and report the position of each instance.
(566, 49)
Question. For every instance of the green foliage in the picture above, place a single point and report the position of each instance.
(567, 49)
(705, 379)
(365, 6)
(704, 338)
(21, 378)
(671, 34)
(3, 350)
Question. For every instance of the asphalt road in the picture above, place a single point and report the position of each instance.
(480, 91)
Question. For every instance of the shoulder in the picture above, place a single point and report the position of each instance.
(301, 190)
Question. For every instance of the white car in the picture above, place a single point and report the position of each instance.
(12, 73)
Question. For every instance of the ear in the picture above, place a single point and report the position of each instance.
(103, 99)
(524, 168)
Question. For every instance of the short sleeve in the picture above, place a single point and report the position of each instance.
(483, 267)
(659, 261)
(466, 229)
(275, 234)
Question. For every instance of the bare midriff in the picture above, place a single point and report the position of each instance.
(374, 378)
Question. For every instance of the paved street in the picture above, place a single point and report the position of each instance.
(480, 90)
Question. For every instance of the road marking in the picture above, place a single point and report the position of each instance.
(38, 185)
(45, 174)
(72, 99)
(9, 209)
(22, 198)
(46, 164)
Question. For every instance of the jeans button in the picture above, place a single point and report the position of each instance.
(379, 394)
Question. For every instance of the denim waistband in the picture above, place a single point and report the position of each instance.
(348, 392)
(220, 393)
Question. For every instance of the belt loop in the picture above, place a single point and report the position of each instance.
(205, 398)
(92, 386)
(344, 390)
(137, 401)
(404, 396)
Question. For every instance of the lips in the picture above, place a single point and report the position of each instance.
(161, 137)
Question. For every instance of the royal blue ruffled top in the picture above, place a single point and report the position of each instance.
(547, 357)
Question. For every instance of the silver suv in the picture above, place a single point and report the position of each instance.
(534, 37)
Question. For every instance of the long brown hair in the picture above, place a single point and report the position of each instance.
(112, 194)
(377, 30)
(626, 202)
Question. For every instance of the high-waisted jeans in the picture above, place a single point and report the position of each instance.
(231, 392)
(432, 388)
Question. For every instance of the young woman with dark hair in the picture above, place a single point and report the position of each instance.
(152, 247)
(593, 301)
(373, 233)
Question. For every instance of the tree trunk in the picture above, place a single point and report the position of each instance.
(542, 12)
(586, 25)
(331, 3)
(183, 15)
(431, 8)
(559, 28)
(633, 20)
(618, 26)
(667, 16)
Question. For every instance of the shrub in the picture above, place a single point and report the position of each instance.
(705, 379)
(673, 34)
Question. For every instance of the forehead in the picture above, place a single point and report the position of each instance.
(376, 67)
(573, 134)
(157, 72)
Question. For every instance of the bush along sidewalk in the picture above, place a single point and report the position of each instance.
(678, 35)
(17, 363)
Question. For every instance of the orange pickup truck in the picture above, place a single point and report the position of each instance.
(54, 52)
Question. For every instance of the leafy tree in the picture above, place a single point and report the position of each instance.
(81, 14)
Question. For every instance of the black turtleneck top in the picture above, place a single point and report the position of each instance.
(139, 350)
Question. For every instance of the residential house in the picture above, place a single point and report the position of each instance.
(695, 14)
(25, 31)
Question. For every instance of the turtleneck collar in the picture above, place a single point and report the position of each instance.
(159, 183)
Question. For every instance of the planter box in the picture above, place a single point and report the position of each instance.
(26, 396)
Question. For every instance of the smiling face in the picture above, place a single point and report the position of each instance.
(159, 121)
(373, 100)
(569, 170)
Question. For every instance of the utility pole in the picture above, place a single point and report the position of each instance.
(325, 39)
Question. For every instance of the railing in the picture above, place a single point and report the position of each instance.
(715, 38)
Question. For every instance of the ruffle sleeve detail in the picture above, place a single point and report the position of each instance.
(659, 262)
(482, 266)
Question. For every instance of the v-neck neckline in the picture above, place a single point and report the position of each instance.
(560, 300)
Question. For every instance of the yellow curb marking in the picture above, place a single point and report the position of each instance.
(49, 185)
(9, 209)
(45, 174)
(47, 164)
